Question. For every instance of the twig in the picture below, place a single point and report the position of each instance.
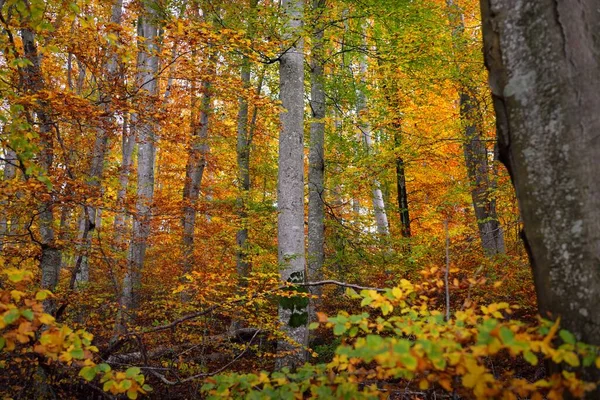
(342, 284)
(204, 375)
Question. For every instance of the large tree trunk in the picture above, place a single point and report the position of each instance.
(316, 161)
(33, 82)
(145, 127)
(475, 150)
(543, 59)
(290, 189)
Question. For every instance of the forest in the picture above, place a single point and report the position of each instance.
(293, 199)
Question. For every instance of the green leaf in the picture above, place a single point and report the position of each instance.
(27, 314)
(339, 329)
(132, 394)
(42, 295)
(132, 372)
(313, 325)
(125, 384)
(147, 388)
(530, 358)
(2, 342)
(11, 316)
(103, 367)
(77, 354)
(74, 7)
(88, 373)
(567, 336)
(507, 336)
(366, 301)
(571, 359)
(108, 385)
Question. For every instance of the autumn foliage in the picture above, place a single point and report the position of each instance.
(417, 312)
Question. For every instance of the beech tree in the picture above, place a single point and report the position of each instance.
(290, 182)
(381, 220)
(144, 126)
(33, 83)
(543, 59)
(316, 157)
(96, 169)
(474, 146)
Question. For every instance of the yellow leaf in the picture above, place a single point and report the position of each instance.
(46, 319)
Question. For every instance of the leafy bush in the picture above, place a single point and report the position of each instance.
(401, 339)
(33, 344)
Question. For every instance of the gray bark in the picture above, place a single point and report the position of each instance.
(478, 171)
(145, 128)
(243, 161)
(475, 151)
(9, 173)
(33, 82)
(381, 219)
(316, 162)
(127, 145)
(543, 59)
(244, 140)
(193, 173)
(293, 314)
(92, 216)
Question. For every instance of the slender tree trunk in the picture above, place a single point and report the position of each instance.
(10, 172)
(476, 160)
(145, 127)
(127, 145)
(475, 151)
(316, 161)
(33, 83)
(243, 158)
(92, 215)
(381, 219)
(193, 173)
(293, 312)
(401, 188)
(543, 62)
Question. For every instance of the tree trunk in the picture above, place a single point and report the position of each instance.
(244, 139)
(193, 174)
(475, 150)
(316, 161)
(293, 312)
(10, 171)
(478, 171)
(401, 188)
(33, 82)
(381, 219)
(127, 144)
(145, 127)
(98, 155)
(543, 61)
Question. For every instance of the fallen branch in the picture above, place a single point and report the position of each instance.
(164, 380)
(210, 309)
